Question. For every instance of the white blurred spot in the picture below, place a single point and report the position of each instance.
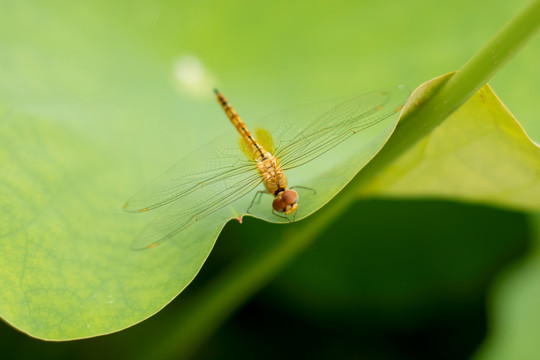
(191, 76)
(189, 70)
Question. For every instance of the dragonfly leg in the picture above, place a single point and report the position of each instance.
(306, 188)
(282, 216)
(257, 198)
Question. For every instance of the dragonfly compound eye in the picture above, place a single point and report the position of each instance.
(278, 204)
(289, 197)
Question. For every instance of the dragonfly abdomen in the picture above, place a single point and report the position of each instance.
(257, 150)
(273, 178)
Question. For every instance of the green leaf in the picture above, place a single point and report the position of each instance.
(480, 153)
(68, 271)
(71, 158)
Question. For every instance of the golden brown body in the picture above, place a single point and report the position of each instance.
(273, 178)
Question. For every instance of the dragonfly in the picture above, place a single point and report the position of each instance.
(224, 171)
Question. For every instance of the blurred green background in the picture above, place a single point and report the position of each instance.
(419, 280)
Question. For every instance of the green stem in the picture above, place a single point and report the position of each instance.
(489, 60)
(203, 315)
(456, 90)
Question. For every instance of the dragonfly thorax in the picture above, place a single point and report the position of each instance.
(264, 156)
(274, 179)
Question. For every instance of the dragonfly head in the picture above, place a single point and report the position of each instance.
(286, 201)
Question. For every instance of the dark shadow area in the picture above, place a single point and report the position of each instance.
(389, 280)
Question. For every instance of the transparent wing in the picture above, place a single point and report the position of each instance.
(302, 138)
(193, 207)
(204, 168)
(203, 182)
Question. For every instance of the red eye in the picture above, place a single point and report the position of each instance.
(289, 197)
(279, 205)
